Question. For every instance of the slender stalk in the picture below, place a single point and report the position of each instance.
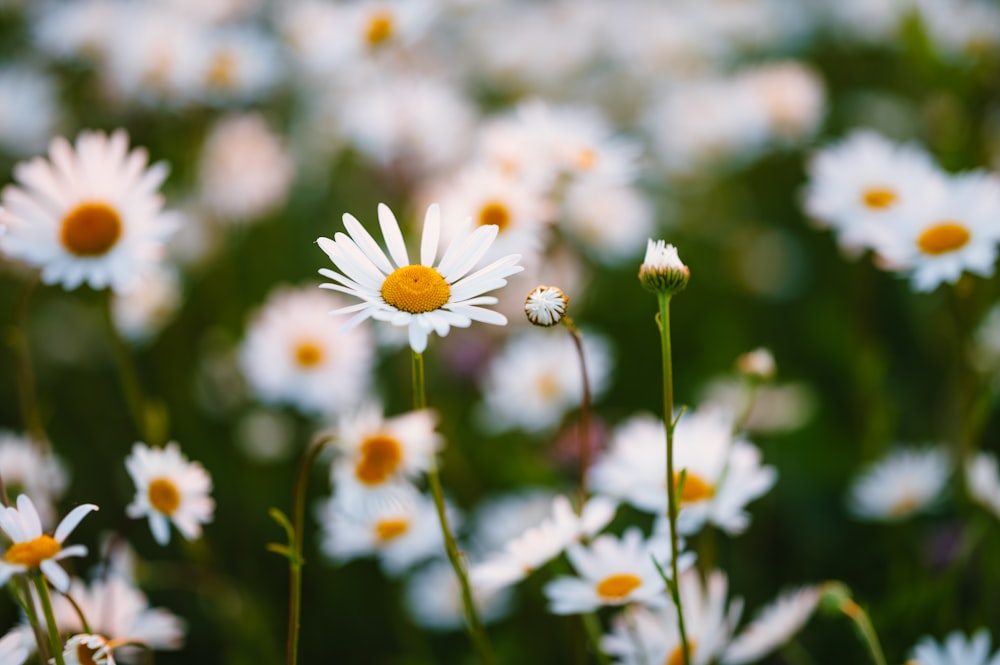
(473, 623)
(27, 604)
(865, 629)
(50, 619)
(584, 433)
(129, 375)
(295, 561)
(25, 372)
(668, 422)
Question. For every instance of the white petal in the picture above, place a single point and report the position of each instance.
(393, 236)
(30, 523)
(432, 232)
(418, 337)
(367, 243)
(160, 527)
(472, 250)
(479, 314)
(70, 521)
(56, 575)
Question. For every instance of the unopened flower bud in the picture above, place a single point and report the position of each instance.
(545, 305)
(662, 271)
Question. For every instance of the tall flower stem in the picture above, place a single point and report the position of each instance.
(25, 372)
(584, 433)
(837, 597)
(22, 593)
(50, 618)
(473, 623)
(663, 321)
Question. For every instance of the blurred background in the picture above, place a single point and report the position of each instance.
(277, 117)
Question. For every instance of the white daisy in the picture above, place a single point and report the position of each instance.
(951, 233)
(27, 469)
(28, 115)
(905, 482)
(143, 311)
(613, 571)
(237, 64)
(16, 646)
(864, 185)
(774, 625)
(791, 95)
(957, 649)
(119, 611)
(499, 519)
(610, 220)
(535, 380)
(541, 543)
(401, 530)
(88, 214)
(545, 305)
(983, 481)
(642, 635)
(293, 353)
(433, 598)
(169, 488)
(88, 649)
(31, 549)
(423, 297)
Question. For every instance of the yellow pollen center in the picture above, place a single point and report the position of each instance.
(879, 198)
(164, 496)
(85, 654)
(380, 28)
(222, 70)
(904, 506)
(380, 455)
(695, 488)
(308, 354)
(943, 238)
(387, 530)
(586, 159)
(494, 212)
(617, 587)
(547, 387)
(677, 655)
(415, 289)
(91, 229)
(32, 552)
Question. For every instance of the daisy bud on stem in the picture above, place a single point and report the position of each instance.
(835, 597)
(663, 273)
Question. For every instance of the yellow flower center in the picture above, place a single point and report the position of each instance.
(616, 587)
(222, 70)
(164, 496)
(91, 229)
(586, 159)
(308, 354)
(547, 387)
(494, 212)
(380, 455)
(32, 552)
(386, 530)
(677, 655)
(695, 488)
(879, 198)
(415, 289)
(904, 505)
(380, 28)
(943, 238)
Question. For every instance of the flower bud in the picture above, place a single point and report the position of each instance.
(545, 305)
(662, 271)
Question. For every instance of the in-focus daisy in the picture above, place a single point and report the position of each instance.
(905, 482)
(613, 571)
(540, 543)
(424, 297)
(644, 635)
(401, 530)
(31, 549)
(90, 213)
(951, 233)
(545, 305)
(433, 598)
(774, 625)
(957, 649)
(88, 649)
(169, 488)
(27, 469)
(535, 379)
(294, 353)
(983, 481)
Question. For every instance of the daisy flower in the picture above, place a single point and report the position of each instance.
(30, 110)
(29, 470)
(433, 598)
(31, 549)
(902, 484)
(423, 297)
(956, 650)
(294, 354)
(951, 233)
(613, 571)
(643, 635)
(169, 488)
(983, 481)
(90, 213)
(662, 270)
(85, 649)
(774, 625)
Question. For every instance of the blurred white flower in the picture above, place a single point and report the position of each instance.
(957, 649)
(90, 213)
(773, 626)
(16, 646)
(433, 599)
(960, 29)
(295, 353)
(238, 64)
(792, 97)
(139, 314)
(903, 483)
(30, 110)
(27, 469)
(169, 488)
(983, 481)
(88, 649)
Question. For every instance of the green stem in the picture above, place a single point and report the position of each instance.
(473, 624)
(668, 423)
(837, 597)
(132, 386)
(296, 561)
(22, 592)
(593, 629)
(25, 372)
(50, 619)
(584, 433)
